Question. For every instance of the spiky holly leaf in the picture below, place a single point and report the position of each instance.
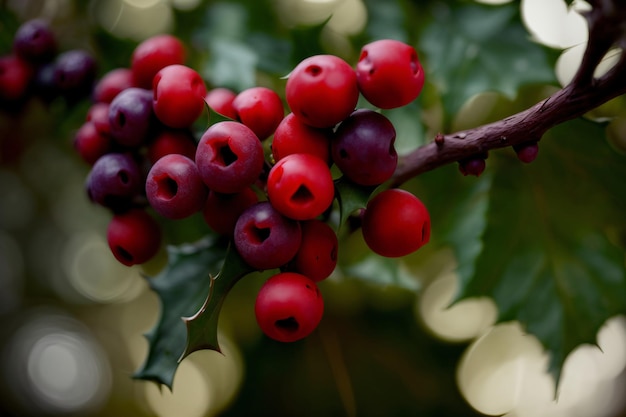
(202, 326)
(182, 288)
(474, 49)
(551, 253)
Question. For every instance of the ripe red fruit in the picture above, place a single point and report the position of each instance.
(317, 255)
(169, 141)
(221, 211)
(91, 144)
(174, 188)
(229, 157)
(112, 83)
(322, 90)
(288, 307)
(259, 108)
(300, 186)
(153, 54)
(474, 165)
(395, 223)
(220, 99)
(15, 75)
(292, 136)
(134, 237)
(389, 73)
(178, 96)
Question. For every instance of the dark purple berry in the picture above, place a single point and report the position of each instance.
(131, 116)
(114, 181)
(75, 73)
(472, 166)
(174, 188)
(363, 147)
(35, 42)
(266, 239)
(527, 151)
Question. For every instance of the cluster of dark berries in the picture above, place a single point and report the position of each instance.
(270, 201)
(36, 67)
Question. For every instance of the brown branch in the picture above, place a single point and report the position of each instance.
(583, 94)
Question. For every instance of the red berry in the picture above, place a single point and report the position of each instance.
(322, 90)
(15, 75)
(220, 99)
(134, 237)
(112, 83)
(300, 186)
(153, 54)
(288, 307)
(174, 188)
(389, 73)
(90, 143)
(98, 114)
(178, 96)
(229, 157)
(317, 255)
(259, 108)
(395, 223)
(221, 211)
(292, 136)
(169, 141)
(35, 41)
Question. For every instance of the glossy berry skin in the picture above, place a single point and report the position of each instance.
(174, 188)
(114, 181)
(229, 157)
(131, 117)
(220, 99)
(98, 114)
(153, 54)
(259, 108)
(15, 76)
(292, 136)
(169, 141)
(300, 186)
(35, 42)
(264, 238)
(178, 96)
(111, 84)
(389, 73)
(134, 237)
(288, 307)
(363, 147)
(221, 211)
(395, 223)
(75, 73)
(90, 143)
(322, 90)
(317, 255)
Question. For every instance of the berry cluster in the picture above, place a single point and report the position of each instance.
(272, 202)
(37, 68)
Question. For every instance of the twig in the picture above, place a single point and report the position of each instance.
(607, 27)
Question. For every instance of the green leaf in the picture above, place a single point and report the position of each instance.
(181, 287)
(549, 255)
(202, 326)
(383, 271)
(351, 197)
(474, 49)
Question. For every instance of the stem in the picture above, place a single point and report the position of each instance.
(607, 24)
